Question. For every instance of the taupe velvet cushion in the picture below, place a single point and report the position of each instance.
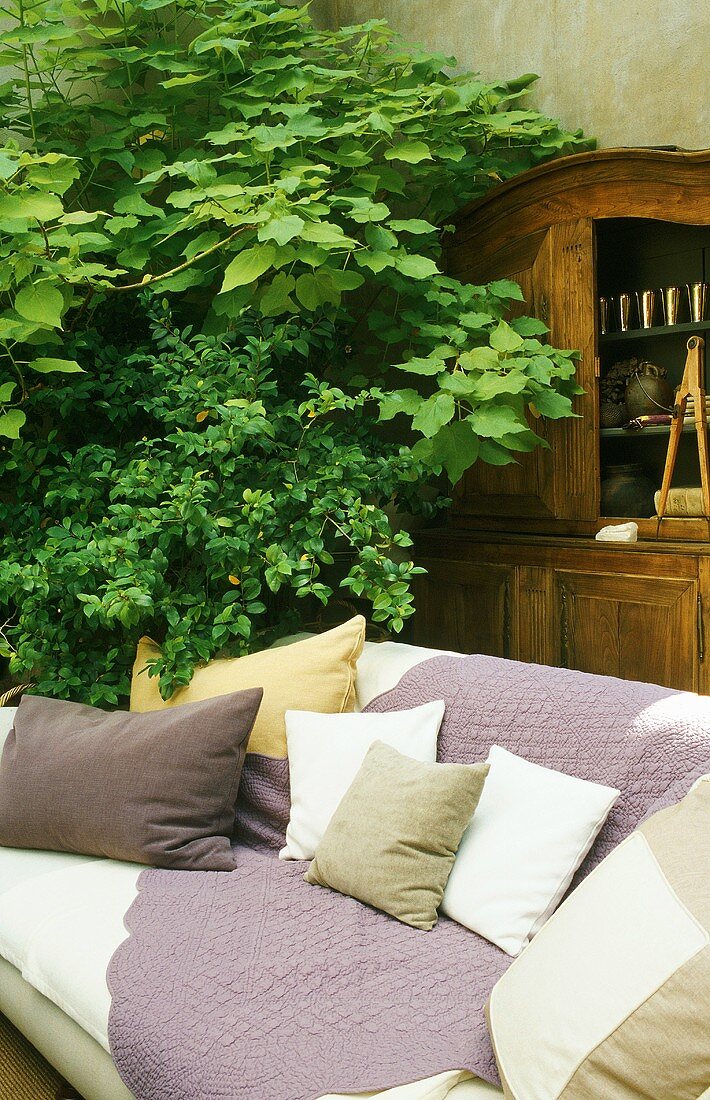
(392, 841)
(155, 788)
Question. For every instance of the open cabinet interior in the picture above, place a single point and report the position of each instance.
(636, 255)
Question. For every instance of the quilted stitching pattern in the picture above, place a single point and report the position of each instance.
(248, 986)
(648, 741)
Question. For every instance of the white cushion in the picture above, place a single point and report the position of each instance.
(532, 828)
(381, 666)
(325, 752)
(7, 717)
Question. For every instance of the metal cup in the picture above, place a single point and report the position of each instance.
(670, 296)
(605, 315)
(646, 301)
(624, 312)
(697, 298)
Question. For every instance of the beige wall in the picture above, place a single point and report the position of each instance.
(630, 72)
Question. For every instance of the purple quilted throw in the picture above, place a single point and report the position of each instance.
(253, 985)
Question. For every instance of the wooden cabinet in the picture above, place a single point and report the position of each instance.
(593, 224)
(517, 572)
(562, 482)
(635, 627)
(637, 612)
(466, 606)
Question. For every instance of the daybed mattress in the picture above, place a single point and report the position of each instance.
(61, 919)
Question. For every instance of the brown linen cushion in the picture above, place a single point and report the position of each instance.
(316, 674)
(392, 840)
(149, 788)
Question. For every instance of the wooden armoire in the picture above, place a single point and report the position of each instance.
(515, 570)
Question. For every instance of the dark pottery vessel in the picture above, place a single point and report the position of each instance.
(648, 392)
(626, 491)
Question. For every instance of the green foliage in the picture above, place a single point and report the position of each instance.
(284, 188)
(255, 487)
(487, 375)
(236, 155)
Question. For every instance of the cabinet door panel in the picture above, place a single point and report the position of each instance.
(635, 627)
(524, 488)
(562, 482)
(465, 607)
(567, 279)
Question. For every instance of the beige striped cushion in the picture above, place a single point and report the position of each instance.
(612, 998)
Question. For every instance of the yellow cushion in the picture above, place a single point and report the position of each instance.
(317, 674)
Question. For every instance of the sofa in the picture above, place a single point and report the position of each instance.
(62, 918)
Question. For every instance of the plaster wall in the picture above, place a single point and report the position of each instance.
(629, 72)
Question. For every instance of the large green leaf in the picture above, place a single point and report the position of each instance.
(61, 366)
(552, 404)
(475, 320)
(379, 238)
(493, 421)
(417, 365)
(325, 233)
(6, 392)
(399, 401)
(505, 339)
(490, 384)
(456, 448)
(494, 454)
(276, 298)
(412, 225)
(433, 413)
(11, 422)
(480, 359)
(375, 261)
(316, 290)
(282, 229)
(345, 280)
(42, 303)
(459, 383)
(247, 266)
(134, 203)
(44, 208)
(417, 267)
(410, 151)
(529, 326)
(506, 288)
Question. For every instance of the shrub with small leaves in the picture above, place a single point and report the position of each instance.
(255, 487)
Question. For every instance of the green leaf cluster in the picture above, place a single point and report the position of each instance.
(255, 493)
(237, 155)
(283, 190)
(490, 380)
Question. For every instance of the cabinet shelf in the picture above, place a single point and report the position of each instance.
(639, 433)
(687, 328)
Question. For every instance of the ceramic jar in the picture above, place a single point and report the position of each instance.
(626, 491)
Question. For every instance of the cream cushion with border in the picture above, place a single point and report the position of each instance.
(392, 840)
(325, 752)
(612, 997)
(317, 673)
(531, 831)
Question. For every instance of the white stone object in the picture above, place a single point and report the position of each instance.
(618, 532)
